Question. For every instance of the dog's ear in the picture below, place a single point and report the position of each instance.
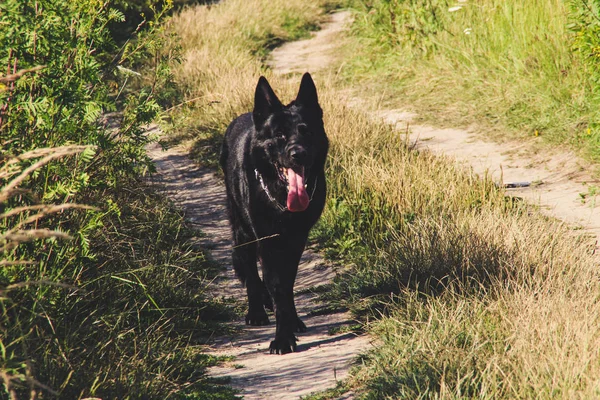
(307, 95)
(265, 102)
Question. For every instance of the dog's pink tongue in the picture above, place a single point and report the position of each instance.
(297, 199)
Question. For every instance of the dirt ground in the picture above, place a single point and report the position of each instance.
(555, 180)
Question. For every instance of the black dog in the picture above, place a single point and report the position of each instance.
(273, 160)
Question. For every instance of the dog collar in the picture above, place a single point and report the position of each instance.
(270, 196)
(264, 187)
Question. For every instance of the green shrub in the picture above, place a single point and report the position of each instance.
(63, 102)
(104, 300)
(585, 23)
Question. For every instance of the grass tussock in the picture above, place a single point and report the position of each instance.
(509, 66)
(476, 295)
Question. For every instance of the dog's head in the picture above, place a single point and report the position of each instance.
(290, 141)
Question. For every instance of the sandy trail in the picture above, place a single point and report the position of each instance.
(557, 179)
(323, 358)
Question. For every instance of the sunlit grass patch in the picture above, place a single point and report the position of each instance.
(509, 66)
(222, 49)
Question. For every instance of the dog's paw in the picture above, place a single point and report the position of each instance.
(257, 318)
(283, 346)
(300, 327)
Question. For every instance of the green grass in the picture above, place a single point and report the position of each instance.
(507, 66)
(330, 394)
(436, 348)
(129, 320)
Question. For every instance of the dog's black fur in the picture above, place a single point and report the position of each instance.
(259, 148)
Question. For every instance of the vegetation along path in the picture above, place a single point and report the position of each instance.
(555, 180)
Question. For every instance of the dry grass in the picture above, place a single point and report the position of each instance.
(511, 306)
(489, 298)
(222, 46)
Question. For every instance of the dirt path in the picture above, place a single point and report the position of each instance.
(323, 358)
(556, 179)
(313, 54)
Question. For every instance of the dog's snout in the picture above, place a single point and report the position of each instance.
(297, 154)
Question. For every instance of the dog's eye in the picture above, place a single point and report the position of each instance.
(303, 130)
(279, 136)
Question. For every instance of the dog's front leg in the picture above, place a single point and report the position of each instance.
(285, 339)
(279, 271)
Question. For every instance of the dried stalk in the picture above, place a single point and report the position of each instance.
(13, 77)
